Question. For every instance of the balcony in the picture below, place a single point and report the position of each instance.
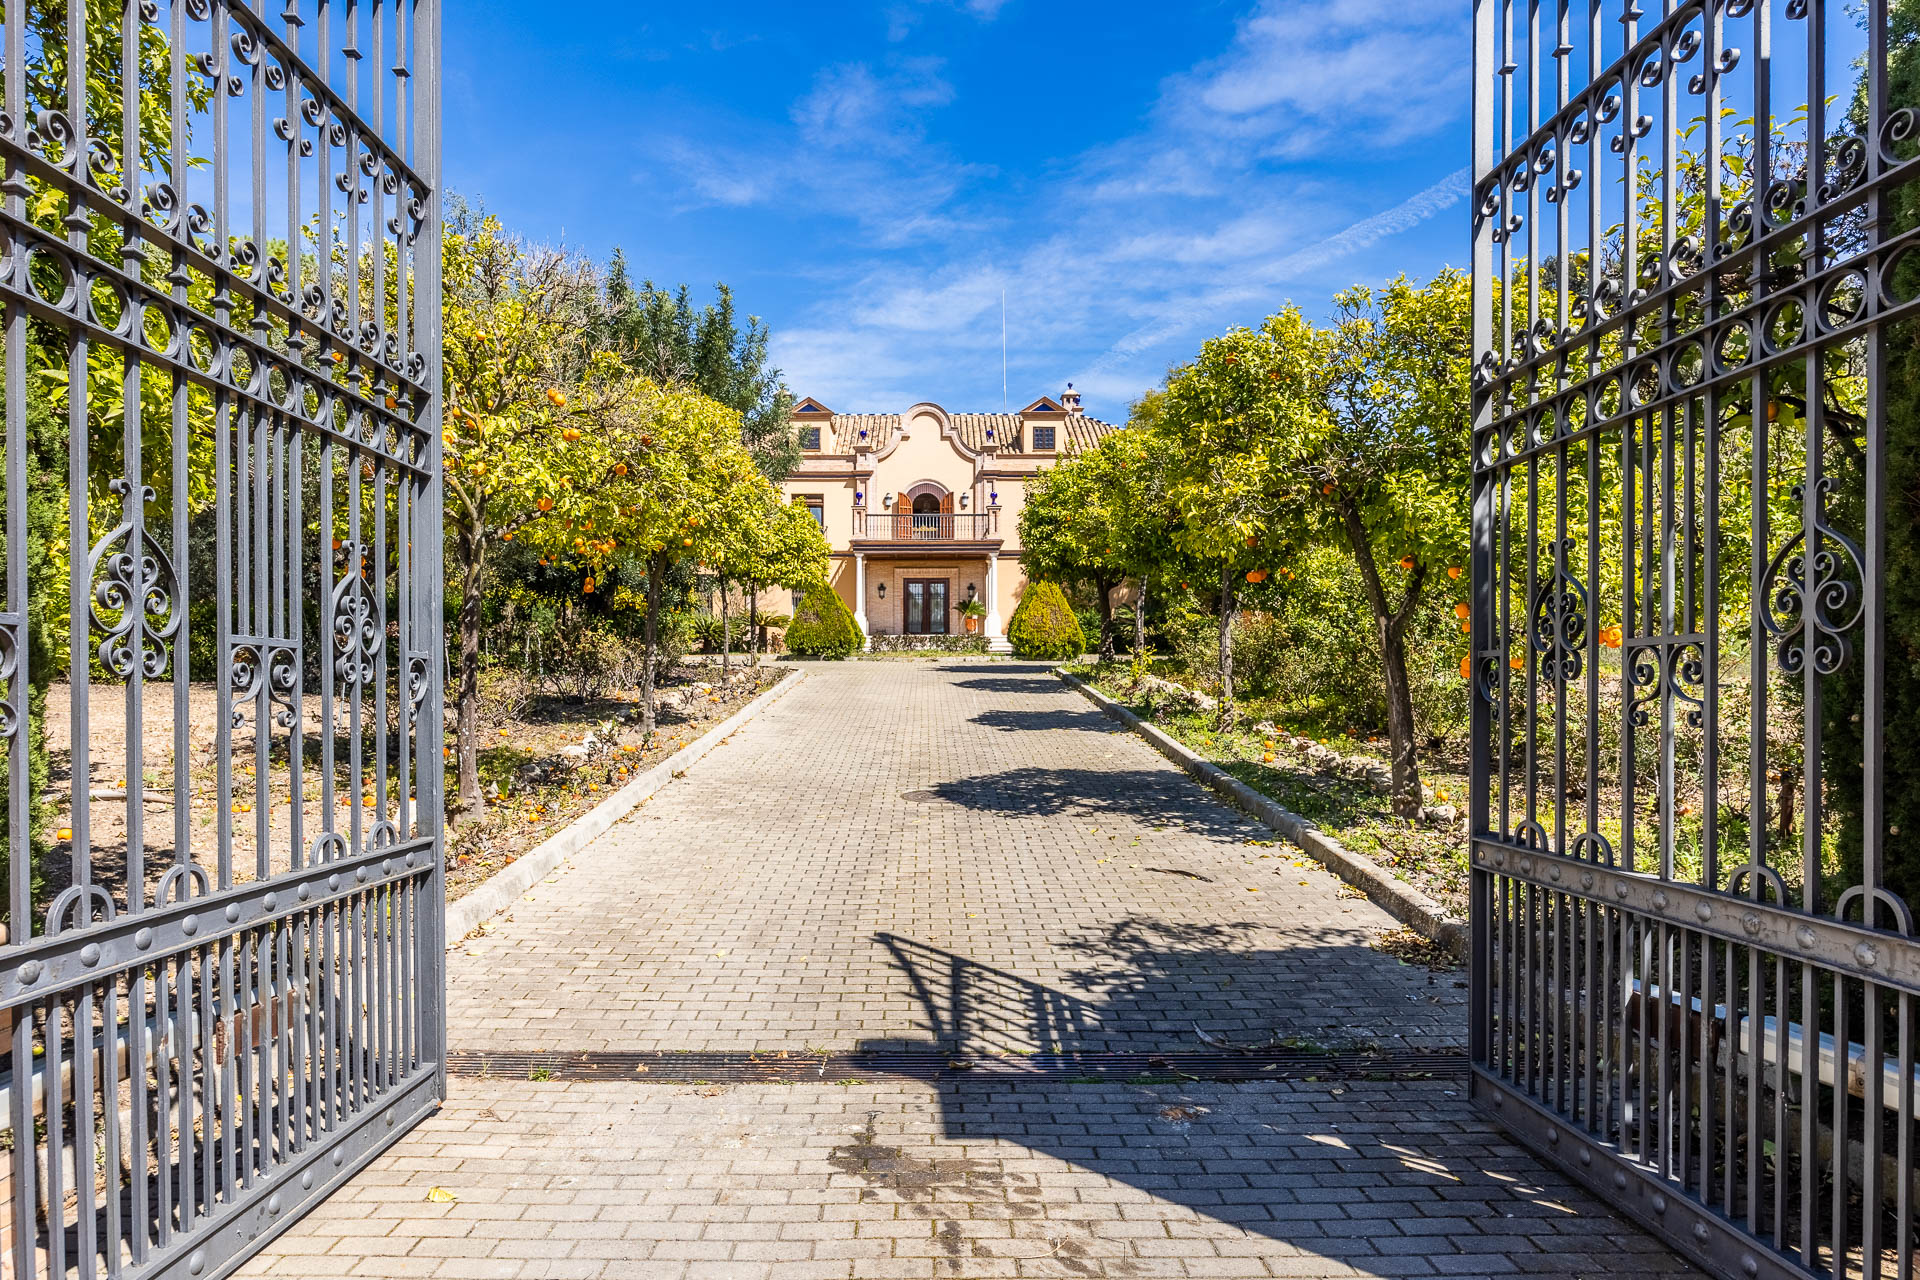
(929, 526)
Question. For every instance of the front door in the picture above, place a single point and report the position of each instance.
(926, 606)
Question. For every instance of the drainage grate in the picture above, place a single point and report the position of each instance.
(923, 1064)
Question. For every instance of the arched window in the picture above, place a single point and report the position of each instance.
(926, 504)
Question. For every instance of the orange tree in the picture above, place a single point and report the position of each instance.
(538, 434)
(1068, 527)
(693, 486)
(1236, 424)
(1389, 456)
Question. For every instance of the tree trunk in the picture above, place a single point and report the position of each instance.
(753, 627)
(726, 635)
(1391, 626)
(473, 556)
(1140, 619)
(652, 630)
(1226, 644)
(1106, 619)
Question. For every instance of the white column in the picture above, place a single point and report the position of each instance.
(996, 639)
(860, 595)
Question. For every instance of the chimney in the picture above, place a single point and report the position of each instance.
(1070, 399)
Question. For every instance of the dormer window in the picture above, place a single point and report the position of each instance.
(809, 437)
(1043, 439)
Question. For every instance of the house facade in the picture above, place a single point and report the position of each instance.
(922, 509)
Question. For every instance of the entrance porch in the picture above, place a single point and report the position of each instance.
(923, 591)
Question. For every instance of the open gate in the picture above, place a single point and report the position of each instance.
(1696, 630)
(221, 978)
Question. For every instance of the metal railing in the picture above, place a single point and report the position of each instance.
(927, 526)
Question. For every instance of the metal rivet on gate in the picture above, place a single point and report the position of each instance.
(386, 866)
(143, 938)
(339, 1158)
(1553, 1135)
(90, 954)
(409, 860)
(1586, 1155)
(233, 912)
(1659, 1203)
(1586, 879)
(1620, 890)
(389, 1119)
(1499, 858)
(1659, 899)
(1499, 1099)
(190, 925)
(1700, 1232)
(1526, 866)
(1751, 922)
(1750, 1264)
(333, 882)
(1480, 855)
(197, 1263)
(1620, 1179)
(1704, 911)
(306, 1180)
(30, 972)
(270, 901)
(304, 892)
(1867, 954)
(360, 874)
(1553, 874)
(273, 1203)
(1806, 937)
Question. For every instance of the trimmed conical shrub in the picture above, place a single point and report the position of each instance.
(1044, 626)
(822, 626)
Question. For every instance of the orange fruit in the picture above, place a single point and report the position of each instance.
(1406, 562)
(1327, 489)
(570, 434)
(1453, 572)
(1516, 662)
(1466, 668)
(686, 542)
(556, 398)
(619, 468)
(1463, 611)
(64, 833)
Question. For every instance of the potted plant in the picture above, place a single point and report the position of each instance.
(973, 611)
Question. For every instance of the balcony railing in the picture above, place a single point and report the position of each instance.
(930, 526)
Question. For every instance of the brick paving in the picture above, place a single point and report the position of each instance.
(961, 855)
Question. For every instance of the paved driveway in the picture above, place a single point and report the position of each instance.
(962, 857)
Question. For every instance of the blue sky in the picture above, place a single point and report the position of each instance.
(870, 178)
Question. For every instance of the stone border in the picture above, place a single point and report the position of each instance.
(506, 886)
(1419, 912)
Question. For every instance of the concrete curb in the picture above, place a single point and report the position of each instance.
(505, 887)
(1388, 892)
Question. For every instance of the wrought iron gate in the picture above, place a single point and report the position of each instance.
(1697, 614)
(221, 977)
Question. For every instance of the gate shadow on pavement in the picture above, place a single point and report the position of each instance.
(1376, 1174)
(1150, 985)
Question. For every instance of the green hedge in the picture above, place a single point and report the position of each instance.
(1044, 626)
(823, 626)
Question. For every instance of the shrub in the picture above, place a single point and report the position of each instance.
(822, 626)
(928, 644)
(1044, 626)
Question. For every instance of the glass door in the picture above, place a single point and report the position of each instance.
(926, 606)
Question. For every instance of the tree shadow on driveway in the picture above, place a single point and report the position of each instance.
(1034, 721)
(1157, 797)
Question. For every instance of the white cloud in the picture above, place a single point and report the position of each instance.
(1263, 173)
